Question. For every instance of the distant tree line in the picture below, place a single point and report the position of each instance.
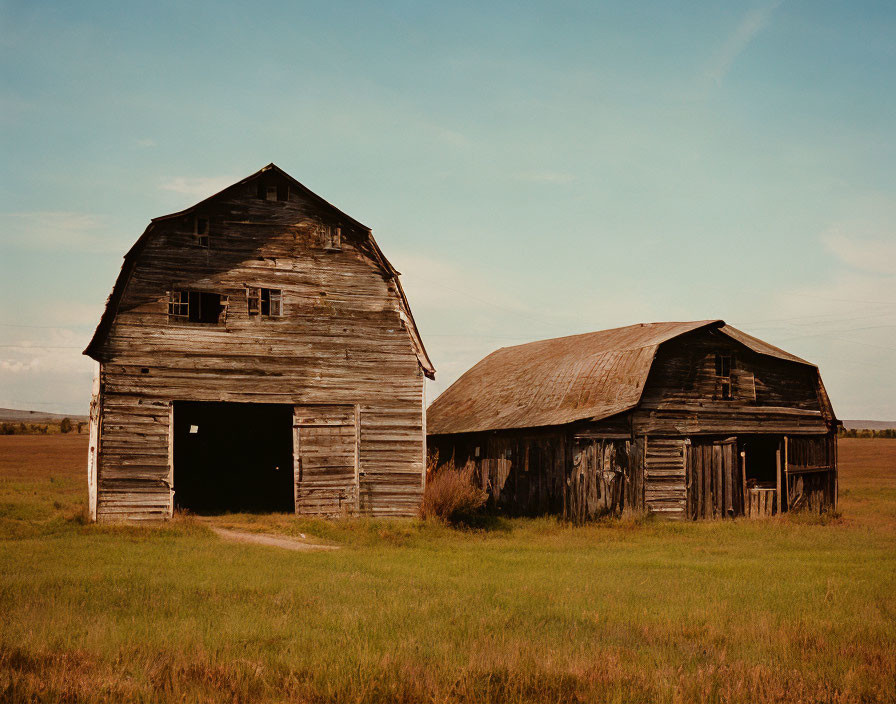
(867, 433)
(66, 425)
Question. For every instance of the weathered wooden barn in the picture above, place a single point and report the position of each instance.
(257, 353)
(685, 420)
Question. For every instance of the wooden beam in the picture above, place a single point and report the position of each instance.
(786, 476)
(778, 479)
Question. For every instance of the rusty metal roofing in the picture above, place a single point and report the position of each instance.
(565, 379)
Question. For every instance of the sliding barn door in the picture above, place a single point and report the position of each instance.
(326, 445)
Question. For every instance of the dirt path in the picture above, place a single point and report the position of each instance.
(276, 541)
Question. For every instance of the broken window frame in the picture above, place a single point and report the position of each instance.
(330, 237)
(264, 302)
(200, 233)
(185, 307)
(724, 362)
(179, 304)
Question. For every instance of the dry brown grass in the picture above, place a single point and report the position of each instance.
(413, 611)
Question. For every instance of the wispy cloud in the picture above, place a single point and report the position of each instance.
(874, 255)
(738, 41)
(146, 143)
(199, 186)
(544, 176)
(56, 229)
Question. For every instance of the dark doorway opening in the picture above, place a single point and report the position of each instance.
(761, 459)
(231, 457)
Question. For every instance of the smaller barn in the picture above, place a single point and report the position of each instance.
(685, 420)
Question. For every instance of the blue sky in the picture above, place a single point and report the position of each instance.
(533, 169)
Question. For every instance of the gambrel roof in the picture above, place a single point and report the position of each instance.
(361, 234)
(567, 379)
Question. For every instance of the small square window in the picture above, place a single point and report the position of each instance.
(271, 191)
(267, 302)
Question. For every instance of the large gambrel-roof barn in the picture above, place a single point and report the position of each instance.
(691, 419)
(257, 353)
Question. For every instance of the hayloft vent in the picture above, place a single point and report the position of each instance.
(273, 191)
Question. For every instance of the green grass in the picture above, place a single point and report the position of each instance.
(523, 611)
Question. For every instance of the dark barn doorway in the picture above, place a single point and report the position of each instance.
(231, 457)
(761, 457)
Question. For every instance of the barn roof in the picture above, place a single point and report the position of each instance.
(566, 379)
(102, 331)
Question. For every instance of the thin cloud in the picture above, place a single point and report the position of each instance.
(58, 230)
(748, 29)
(873, 255)
(199, 186)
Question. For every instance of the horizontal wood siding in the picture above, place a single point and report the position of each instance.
(341, 340)
(665, 490)
(326, 460)
(682, 394)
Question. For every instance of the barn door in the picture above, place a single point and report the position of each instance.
(326, 453)
(715, 479)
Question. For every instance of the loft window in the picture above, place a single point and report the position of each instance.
(723, 372)
(273, 191)
(200, 231)
(723, 365)
(331, 236)
(267, 302)
(197, 307)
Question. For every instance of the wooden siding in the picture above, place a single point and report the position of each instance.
(665, 491)
(682, 395)
(606, 478)
(342, 340)
(810, 473)
(326, 450)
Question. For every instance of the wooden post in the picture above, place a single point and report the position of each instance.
(743, 479)
(786, 476)
(358, 459)
(835, 468)
(778, 482)
(171, 459)
(94, 435)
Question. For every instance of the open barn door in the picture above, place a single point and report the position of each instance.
(326, 442)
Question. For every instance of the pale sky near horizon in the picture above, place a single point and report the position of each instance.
(533, 170)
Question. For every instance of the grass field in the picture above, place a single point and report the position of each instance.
(784, 610)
